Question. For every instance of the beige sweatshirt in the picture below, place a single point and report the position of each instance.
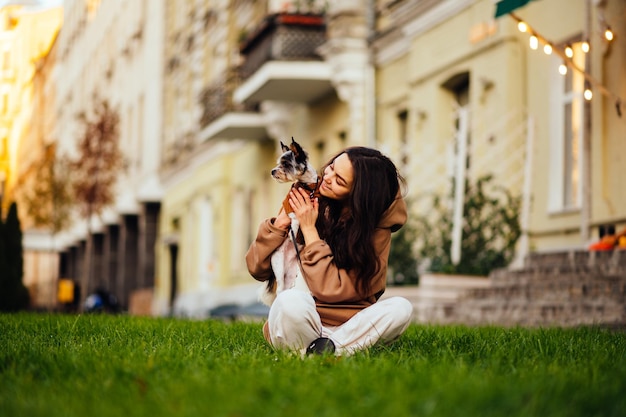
(333, 288)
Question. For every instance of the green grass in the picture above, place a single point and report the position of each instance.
(93, 365)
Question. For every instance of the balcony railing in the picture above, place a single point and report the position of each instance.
(285, 37)
(217, 99)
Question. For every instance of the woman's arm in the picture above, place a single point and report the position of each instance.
(270, 236)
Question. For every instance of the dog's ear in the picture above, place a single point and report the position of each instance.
(284, 147)
(298, 151)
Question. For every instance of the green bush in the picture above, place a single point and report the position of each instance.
(402, 259)
(491, 230)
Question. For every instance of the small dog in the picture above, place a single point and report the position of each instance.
(292, 166)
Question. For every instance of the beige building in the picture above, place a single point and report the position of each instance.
(452, 79)
(240, 78)
(445, 88)
(208, 89)
(112, 50)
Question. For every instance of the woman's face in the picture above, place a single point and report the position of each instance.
(337, 179)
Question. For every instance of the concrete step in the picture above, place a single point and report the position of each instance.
(436, 295)
(578, 257)
(560, 288)
(545, 313)
(556, 274)
(565, 292)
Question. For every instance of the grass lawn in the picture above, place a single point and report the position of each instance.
(97, 365)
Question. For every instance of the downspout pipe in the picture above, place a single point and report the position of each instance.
(370, 77)
(585, 215)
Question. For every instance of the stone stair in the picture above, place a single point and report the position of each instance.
(567, 288)
(435, 298)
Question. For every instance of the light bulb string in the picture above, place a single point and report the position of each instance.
(568, 61)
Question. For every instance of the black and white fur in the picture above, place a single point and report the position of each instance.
(292, 166)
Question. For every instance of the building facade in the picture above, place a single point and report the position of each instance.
(240, 78)
(112, 51)
(207, 90)
(455, 83)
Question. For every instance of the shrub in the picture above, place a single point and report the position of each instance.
(13, 294)
(402, 259)
(490, 230)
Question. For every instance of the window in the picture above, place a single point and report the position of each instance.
(205, 248)
(241, 224)
(4, 103)
(92, 8)
(567, 133)
(458, 86)
(403, 132)
(6, 60)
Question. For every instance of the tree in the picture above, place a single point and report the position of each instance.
(99, 160)
(45, 190)
(95, 169)
(13, 294)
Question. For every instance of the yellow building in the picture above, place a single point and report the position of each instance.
(455, 83)
(26, 130)
(25, 38)
(446, 88)
(240, 79)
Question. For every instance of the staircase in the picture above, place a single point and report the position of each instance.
(552, 289)
(435, 298)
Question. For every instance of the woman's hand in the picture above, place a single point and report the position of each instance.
(306, 211)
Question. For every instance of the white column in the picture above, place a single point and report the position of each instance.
(523, 245)
(349, 61)
(207, 269)
(459, 186)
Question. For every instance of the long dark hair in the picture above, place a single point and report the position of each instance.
(348, 226)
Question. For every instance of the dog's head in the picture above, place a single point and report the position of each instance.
(292, 164)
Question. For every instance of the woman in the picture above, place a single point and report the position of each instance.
(346, 235)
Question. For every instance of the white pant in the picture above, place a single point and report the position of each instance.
(294, 323)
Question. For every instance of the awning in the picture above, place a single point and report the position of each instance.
(507, 6)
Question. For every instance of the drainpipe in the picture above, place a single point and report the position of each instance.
(585, 209)
(370, 77)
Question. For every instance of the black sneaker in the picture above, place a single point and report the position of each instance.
(321, 346)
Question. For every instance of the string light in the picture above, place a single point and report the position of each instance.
(547, 48)
(585, 46)
(566, 53)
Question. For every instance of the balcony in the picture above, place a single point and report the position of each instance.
(281, 61)
(223, 118)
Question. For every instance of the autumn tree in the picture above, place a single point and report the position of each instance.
(95, 169)
(45, 191)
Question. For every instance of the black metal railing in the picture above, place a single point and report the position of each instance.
(285, 37)
(217, 99)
